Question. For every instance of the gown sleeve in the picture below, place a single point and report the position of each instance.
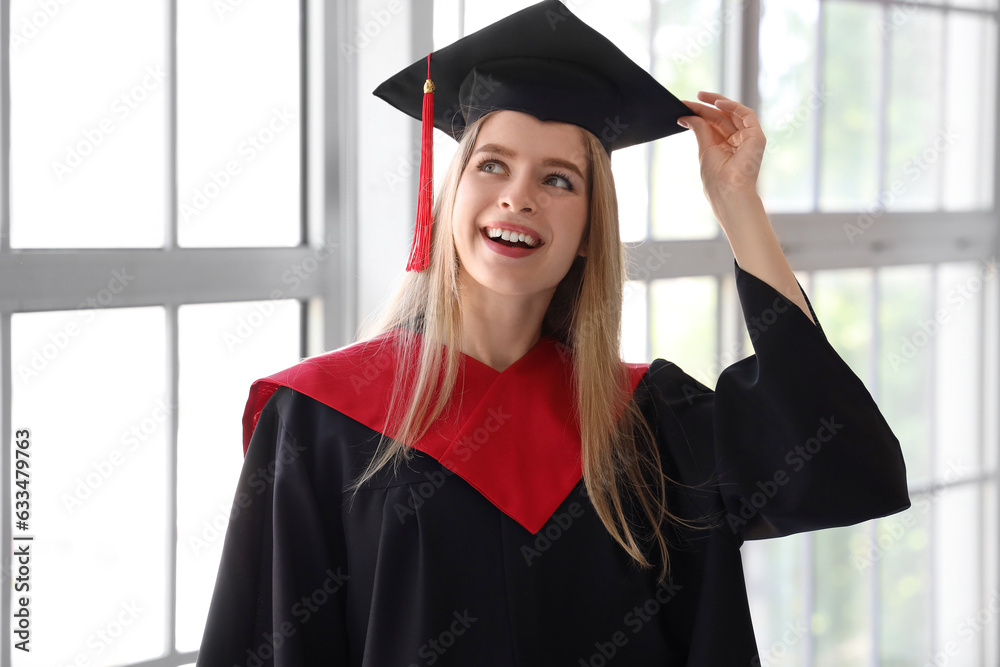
(790, 439)
(280, 594)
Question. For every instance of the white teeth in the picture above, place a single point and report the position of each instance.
(508, 235)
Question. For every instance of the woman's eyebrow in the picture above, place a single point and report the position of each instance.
(503, 151)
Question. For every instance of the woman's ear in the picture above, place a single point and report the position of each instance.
(582, 251)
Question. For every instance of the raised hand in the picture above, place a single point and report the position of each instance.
(730, 145)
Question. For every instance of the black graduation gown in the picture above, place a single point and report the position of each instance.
(419, 568)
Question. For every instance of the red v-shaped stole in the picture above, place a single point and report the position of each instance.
(512, 435)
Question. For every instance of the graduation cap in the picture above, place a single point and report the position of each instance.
(543, 61)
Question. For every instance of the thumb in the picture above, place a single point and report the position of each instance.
(700, 127)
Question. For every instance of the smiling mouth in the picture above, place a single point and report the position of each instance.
(514, 240)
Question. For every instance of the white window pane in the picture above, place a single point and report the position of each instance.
(682, 325)
(900, 552)
(916, 135)
(88, 124)
(688, 46)
(632, 190)
(626, 25)
(955, 332)
(238, 120)
(959, 593)
(680, 210)
(789, 102)
(842, 619)
(842, 302)
(991, 526)
(635, 332)
(91, 387)
(777, 580)
(223, 348)
(481, 14)
(848, 172)
(991, 364)
(971, 76)
(905, 362)
(447, 24)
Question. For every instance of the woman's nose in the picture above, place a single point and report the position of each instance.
(519, 196)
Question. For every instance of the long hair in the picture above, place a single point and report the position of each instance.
(621, 463)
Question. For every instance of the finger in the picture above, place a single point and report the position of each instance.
(745, 114)
(717, 118)
(704, 133)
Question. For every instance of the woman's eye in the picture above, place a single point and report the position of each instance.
(491, 167)
(559, 181)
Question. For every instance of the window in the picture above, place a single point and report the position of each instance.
(158, 254)
(193, 195)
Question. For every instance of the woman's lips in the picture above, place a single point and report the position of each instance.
(506, 250)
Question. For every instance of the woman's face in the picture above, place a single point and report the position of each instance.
(525, 176)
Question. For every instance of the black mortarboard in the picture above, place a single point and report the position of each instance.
(544, 61)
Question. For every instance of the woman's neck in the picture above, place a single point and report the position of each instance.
(498, 329)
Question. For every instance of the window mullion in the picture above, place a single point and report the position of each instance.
(4, 129)
(874, 573)
(817, 136)
(932, 385)
(170, 426)
(881, 130)
(170, 220)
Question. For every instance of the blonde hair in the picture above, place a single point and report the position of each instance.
(621, 462)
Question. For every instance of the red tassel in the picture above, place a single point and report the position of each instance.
(420, 253)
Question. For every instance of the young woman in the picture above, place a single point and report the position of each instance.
(481, 481)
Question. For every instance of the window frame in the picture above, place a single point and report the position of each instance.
(35, 280)
(41, 280)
